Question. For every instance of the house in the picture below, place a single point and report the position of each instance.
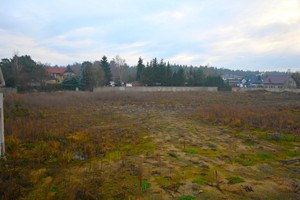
(56, 74)
(251, 81)
(136, 84)
(280, 81)
(232, 79)
(68, 73)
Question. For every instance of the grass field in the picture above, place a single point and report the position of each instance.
(164, 145)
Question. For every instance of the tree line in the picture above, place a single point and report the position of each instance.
(164, 74)
(24, 73)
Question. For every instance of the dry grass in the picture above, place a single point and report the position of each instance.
(106, 145)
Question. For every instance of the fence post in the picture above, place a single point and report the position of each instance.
(2, 143)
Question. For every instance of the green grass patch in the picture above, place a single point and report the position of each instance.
(235, 179)
(187, 197)
(289, 138)
(163, 181)
(292, 153)
(249, 143)
(265, 157)
(54, 188)
(145, 186)
(245, 162)
(192, 151)
(146, 146)
(193, 129)
(29, 146)
(200, 181)
(242, 136)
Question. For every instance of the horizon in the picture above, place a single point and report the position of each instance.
(253, 35)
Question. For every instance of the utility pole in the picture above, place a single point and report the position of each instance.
(2, 143)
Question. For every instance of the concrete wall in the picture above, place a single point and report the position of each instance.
(155, 89)
(238, 89)
(8, 91)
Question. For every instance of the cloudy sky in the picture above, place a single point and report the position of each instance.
(236, 34)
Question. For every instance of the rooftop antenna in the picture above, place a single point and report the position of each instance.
(2, 144)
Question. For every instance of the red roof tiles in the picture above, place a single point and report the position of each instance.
(56, 70)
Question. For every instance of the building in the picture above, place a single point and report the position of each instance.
(58, 74)
(231, 79)
(251, 81)
(68, 73)
(279, 81)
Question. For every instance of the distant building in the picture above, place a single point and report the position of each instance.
(232, 79)
(58, 74)
(280, 81)
(112, 84)
(68, 73)
(251, 81)
(136, 84)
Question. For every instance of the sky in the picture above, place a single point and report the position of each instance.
(236, 34)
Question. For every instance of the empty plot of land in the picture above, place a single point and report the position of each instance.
(182, 145)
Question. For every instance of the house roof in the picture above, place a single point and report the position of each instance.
(55, 70)
(253, 79)
(69, 70)
(277, 79)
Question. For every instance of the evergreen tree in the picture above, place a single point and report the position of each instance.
(140, 68)
(198, 77)
(21, 71)
(168, 74)
(71, 83)
(106, 68)
(180, 77)
(214, 81)
(86, 76)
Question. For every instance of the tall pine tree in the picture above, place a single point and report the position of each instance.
(140, 68)
(106, 68)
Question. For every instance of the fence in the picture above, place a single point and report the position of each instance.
(239, 89)
(154, 89)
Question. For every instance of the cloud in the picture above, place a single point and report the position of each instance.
(222, 33)
(27, 46)
(79, 32)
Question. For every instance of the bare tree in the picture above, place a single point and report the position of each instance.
(119, 69)
(98, 76)
(17, 69)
